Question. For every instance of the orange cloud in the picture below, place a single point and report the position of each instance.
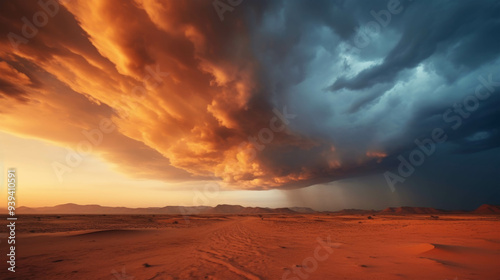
(183, 95)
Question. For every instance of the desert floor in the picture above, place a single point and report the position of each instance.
(314, 246)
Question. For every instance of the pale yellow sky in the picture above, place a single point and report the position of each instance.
(94, 181)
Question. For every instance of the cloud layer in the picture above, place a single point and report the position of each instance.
(280, 94)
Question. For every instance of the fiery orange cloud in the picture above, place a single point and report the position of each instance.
(185, 100)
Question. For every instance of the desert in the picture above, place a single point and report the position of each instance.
(340, 245)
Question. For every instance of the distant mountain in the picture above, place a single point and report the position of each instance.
(304, 210)
(356, 211)
(225, 209)
(487, 209)
(283, 211)
(238, 209)
(176, 210)
(411, 210)
(71, 208)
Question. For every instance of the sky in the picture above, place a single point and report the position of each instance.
(324, 104)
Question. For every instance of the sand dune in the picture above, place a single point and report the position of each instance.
(276, 246)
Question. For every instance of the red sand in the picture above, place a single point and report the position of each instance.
(279, 246)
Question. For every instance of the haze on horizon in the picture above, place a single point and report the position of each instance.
(324, 104)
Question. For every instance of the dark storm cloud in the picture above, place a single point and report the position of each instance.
(464, 30)
(395, 90)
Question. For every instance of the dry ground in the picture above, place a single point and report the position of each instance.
(235, 247)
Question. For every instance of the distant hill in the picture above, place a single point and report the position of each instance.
(487, 209)
(303, 210)
(411, 210)
(225, 209)
(71, 208)
(238, 209)
(356, 212)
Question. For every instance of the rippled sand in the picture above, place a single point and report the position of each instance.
(279, 246)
